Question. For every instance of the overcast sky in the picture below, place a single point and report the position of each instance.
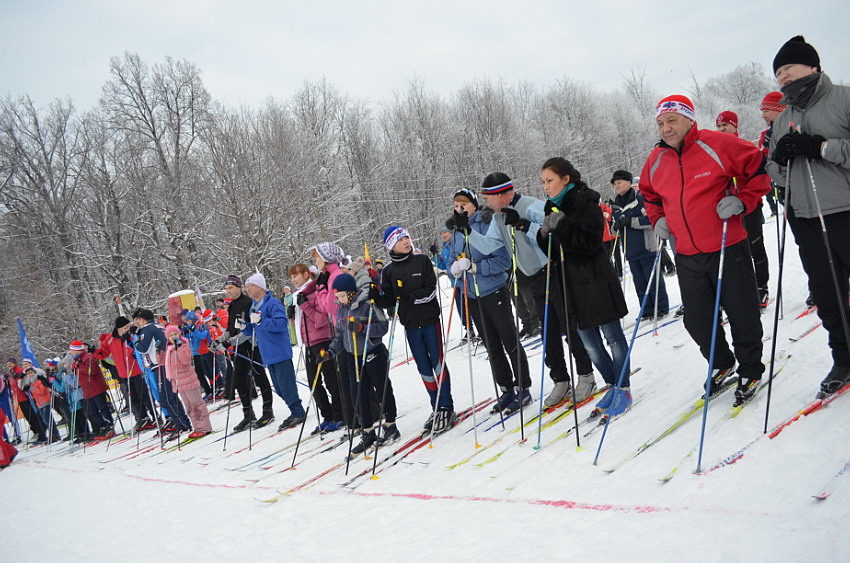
(248, 50)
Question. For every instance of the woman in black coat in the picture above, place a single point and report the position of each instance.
(575, 223)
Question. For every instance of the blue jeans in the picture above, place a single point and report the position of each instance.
(608, 367)
(283, 379)
(426, 345)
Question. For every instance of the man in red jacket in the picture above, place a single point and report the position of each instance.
(694, 183)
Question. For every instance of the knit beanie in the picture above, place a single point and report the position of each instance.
(145, 314)
(622, 175)
(496, 183)
(729, 117)
(771, 102)
(676, 104)
(207, 315)
(257, 279)
(121, 322)
(191, 316)
(796, 51)
(394, 234)
(233, 280)
(357, 264)
(77, 346)
(331, 253)
(344, 282)
(467, 195)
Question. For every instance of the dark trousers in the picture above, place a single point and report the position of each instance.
(246, 372)
(813, 255)
(641, 269)
(739, 300)
(525, 308)
(328, 393)
(753, 222)
(80, 425)
(557, 327)
(33, 418)
(140, 399)
(203, 369)
(97, 412)
(373, 377)
(493, 316)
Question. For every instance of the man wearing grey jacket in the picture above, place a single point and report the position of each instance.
(810, 156)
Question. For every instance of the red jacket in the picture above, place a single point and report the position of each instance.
(686, 187)
(122, 354)
(15, 376)
(607, 213)
(87, 368)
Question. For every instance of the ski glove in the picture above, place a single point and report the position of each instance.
(550, 223)
(461, 221)
(324, 356)
(355, 326)
(808, 145)
(512, 218)
(784, 149)
(433, 249)
(374, 292)
(256, 318)
(322, 279)
(622, 223)
(461, 265)
(301, 299)
(660, 229)
(728, 206)
(239, 324)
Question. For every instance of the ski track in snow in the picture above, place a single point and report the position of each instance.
(551, 503)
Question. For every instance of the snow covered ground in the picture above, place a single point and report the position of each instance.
(552, 504)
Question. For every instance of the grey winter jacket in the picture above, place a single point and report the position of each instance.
(827, 115)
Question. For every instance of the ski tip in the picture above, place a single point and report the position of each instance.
(821, 496)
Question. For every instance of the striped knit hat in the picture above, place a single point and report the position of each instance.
(496, 183)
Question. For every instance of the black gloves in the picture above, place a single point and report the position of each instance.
(374, 292)
(433, 249)
(301, 299)
(621, 223)
(450, 223)
(290, 311)
(513, 219)
(461, 221)
(322, 280)
(91, 349)
(324, 356)
(797, 144)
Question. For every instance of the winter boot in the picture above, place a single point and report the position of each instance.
(746, 389)
(389, 434)
(585, 387)
(246, 422)
(621, 402)
(810, 301)
(428, 422)
(837, 377)
(719, 376)
(559, 393)
(266, 418)
(520, 401)
(508, 396)
(444, 419)
(332, 425)
(292, 421)
(367, 440)
(680, 312)
(604, 403)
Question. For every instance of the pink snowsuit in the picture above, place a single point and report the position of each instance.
(184, 381)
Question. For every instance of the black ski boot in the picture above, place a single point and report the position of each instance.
(247, 421)
(265, 418)
(837, 377)
(367, 440)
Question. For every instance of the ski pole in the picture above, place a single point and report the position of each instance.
(570, 346)
(304, 422)
(358, 404)
(484, 334)
(776, 311)
(714, 323)
(386, 378)
(545, 337)
(631, 347)
(519, 349)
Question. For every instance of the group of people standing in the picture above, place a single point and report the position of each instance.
(507, 253)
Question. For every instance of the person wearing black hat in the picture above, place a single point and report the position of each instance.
(641, 244)
(524, 215)
(810, 156)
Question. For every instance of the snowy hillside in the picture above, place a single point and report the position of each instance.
(509, 502)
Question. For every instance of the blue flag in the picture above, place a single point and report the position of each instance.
(26, 347)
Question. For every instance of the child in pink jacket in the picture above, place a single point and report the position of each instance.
(184, 381)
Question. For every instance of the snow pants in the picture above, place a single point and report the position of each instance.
(493, 317)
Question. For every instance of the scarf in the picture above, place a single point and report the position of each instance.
(558, 199)
(799, 92)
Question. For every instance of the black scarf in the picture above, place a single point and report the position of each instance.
(799, 92)
(400, 257)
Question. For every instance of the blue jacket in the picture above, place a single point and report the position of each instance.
(67, 383)
(639, 238)
(359, 309)
(197, 334)
(443, 257)
(150, 340)
(491, 270)
(272, 333)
